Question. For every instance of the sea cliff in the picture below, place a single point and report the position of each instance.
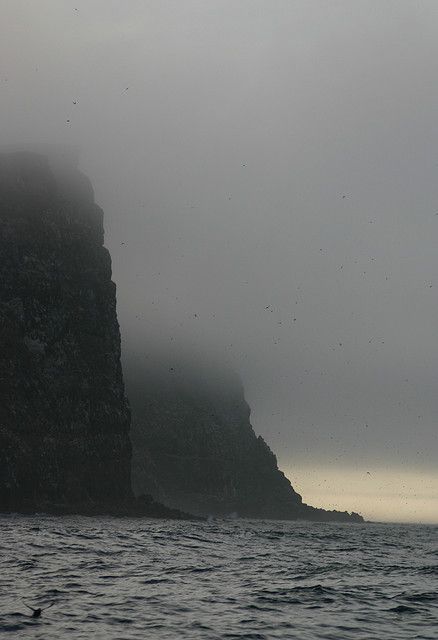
(64, 417)
(194, 448)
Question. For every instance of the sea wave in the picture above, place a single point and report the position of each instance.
(127, 578)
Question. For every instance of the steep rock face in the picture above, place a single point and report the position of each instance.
(64, 420)
(194, 448)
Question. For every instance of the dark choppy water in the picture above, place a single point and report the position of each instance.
(123, 579)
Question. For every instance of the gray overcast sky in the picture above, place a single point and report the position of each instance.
(271, 168)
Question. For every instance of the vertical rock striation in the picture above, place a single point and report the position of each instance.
(64, 419)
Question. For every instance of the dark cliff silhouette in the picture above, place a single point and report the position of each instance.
(64, 418)
(194, 447)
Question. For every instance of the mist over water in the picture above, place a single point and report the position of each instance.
(114, 578)
(268, 176)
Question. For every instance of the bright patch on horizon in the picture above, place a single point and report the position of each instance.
(383, 495)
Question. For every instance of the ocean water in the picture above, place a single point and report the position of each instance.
(132, 578)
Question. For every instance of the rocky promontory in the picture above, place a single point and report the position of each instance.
(194, 447)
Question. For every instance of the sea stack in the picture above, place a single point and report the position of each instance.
(64, 418)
